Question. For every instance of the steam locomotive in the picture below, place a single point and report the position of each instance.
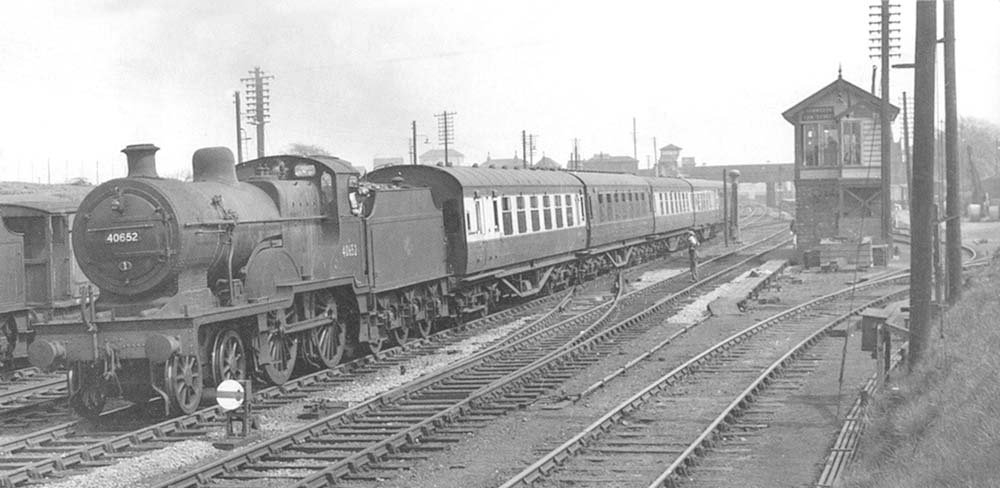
(250, 270)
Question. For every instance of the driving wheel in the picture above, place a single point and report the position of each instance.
(275, 356)
(328, 344)
(229, 359)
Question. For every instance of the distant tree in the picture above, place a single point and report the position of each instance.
(302, 149)
(983, 137)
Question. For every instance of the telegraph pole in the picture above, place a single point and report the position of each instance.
(258, 95)
(446, 131)
(413, 148)
(953, 227)
(531, 149)
(635, 150)
(906, 152)
(239, 128)
(886, 134)
(524, 148)
(922, 207)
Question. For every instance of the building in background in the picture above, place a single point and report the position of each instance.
(546, 163)
(611, 164)
(435, 156)
(666, 165)
(514, 162)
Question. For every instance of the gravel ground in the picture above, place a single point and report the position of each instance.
(511, 443)
(285, 419)
(128, 474)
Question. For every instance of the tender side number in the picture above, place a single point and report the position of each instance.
(349, 250)
(122, 237)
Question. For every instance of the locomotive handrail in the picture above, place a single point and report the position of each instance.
(120, 227)
(216, 223)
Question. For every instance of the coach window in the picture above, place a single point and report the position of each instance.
(522, 220)
(570, 208)
(581, 213)
(496, 216)
(547, 211)
(559, 211)
(535, 220)
(508, 220)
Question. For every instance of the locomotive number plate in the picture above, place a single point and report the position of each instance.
(122, 237)
(349, 250)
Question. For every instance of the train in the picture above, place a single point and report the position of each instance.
(251, 270)
(41, 280)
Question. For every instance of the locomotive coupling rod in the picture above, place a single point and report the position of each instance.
(307, 324)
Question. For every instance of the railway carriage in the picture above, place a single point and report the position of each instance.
(41, 278)
(508, 232)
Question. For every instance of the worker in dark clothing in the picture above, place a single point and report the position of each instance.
(692, 242)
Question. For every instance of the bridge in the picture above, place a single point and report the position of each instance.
(769, 174)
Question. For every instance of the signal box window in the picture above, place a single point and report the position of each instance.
(852, 142)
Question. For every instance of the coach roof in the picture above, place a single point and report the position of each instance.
(488, 178)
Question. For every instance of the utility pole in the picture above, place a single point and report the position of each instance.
(906, 152)
(524, 148)
(921, 210)
(531, 149)
(885, 49)
(239, 128)
(413, 142)
(635, 150)
(48, 171)
(953, 227)
(258, 109)
(446, 131)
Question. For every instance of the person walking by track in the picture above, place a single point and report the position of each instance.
(693, 243)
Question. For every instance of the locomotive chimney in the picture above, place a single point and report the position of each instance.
(214, 164)
(141, 160)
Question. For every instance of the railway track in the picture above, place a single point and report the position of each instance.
(29, 388)
(67, 447)
(78, 445)
(392, 430)
(660, 432)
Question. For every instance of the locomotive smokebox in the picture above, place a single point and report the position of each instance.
(214, 164)
(141, 160)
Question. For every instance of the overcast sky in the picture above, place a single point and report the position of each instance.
(82, 79)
